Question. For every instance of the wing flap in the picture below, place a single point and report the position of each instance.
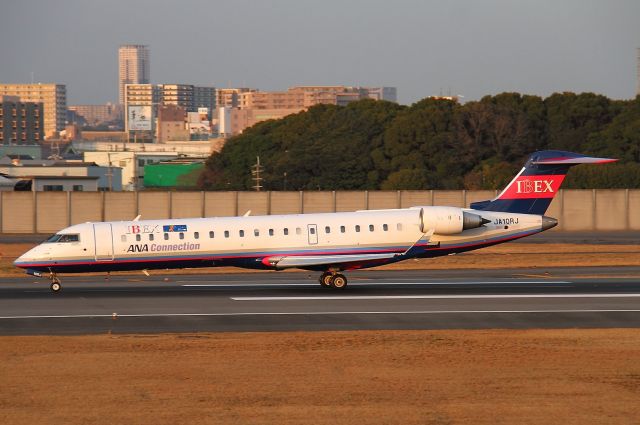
(322, 260)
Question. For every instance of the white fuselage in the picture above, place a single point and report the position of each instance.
(251, 241)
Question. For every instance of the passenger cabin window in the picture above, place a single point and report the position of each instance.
(196, 235)
(123, 238)
(166, 236)
(385, 227)
(256, 232)
(150, 236)
(357, 227)
(286, 231)
(226, 233)
(241, 233)
(138, 238)
(181, 235)
(371, 228)
(270, 232)
(342, 229)
(312, 230)
(399, 226)
(211, 234)
(298, 231)
(327, 229)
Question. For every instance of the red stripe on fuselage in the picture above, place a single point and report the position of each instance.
(528, 187)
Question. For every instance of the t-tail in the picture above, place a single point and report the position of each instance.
(533, 188)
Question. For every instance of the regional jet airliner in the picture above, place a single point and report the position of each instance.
(329, 243)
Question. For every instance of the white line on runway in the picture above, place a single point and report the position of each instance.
(314, 313)
(432, 297)
(253, 285)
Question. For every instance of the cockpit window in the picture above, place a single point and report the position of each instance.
(52, 238)
(63, 238)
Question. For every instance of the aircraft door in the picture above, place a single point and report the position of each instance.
(103, 241)
(312, 230)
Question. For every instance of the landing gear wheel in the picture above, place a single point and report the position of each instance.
(325, 279)
(56, 287)
(339, 281)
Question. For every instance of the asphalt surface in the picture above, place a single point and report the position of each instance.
(584, 297)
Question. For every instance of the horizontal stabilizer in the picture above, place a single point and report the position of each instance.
(573, 161)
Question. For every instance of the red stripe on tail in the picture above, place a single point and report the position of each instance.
(528, 187)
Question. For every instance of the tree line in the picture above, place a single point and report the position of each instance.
(432, 144)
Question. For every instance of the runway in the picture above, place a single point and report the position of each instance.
(276, 301)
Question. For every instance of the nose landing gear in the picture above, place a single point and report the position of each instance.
(333, 280)
(56, 285)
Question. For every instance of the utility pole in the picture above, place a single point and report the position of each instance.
(256, 169)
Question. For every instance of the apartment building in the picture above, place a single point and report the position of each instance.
(230, 98)
(306, 96)
(53, 98)
(97, 114)
(21, 123)
(133, 67)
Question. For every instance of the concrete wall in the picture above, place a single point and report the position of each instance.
(47, 212)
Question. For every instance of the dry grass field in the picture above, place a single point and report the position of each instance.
(386, 377)
(378, 377)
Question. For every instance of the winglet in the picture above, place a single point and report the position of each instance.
(137, 217)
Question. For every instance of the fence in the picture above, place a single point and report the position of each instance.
(46, 212)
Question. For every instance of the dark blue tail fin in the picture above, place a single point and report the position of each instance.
(533, 188)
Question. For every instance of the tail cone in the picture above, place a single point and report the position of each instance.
(548, 222)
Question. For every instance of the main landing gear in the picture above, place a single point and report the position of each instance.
(56, 286)
(333, 280)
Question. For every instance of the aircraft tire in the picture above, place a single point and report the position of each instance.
(55, 287)
(325, 279)
(339, 281)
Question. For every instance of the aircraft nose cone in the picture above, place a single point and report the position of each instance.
(548, 222)
(18, 261)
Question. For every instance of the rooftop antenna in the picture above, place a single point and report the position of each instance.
(256, 169)
(31, 77)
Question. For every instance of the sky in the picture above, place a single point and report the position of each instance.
(423, 47)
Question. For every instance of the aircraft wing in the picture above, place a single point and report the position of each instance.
(302, 261)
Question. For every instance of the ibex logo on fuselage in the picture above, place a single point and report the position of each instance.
(534, 186)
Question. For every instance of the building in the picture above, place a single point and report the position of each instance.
(242, 108)
(38, 183)
(186, 148)
(150, 97)
(21, 151)
(21, 123)
(95, 115)
(177, 95)
(53, 98)
(307, 96)
(86, 176)
(133, 67)
(204, 97)
(171, 124)
(272, 100)
(389, 94)
(233, 121)
(132, 164)
(230, 98)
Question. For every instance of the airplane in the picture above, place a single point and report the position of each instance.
(329, 243)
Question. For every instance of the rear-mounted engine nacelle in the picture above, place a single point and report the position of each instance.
(448, 220)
